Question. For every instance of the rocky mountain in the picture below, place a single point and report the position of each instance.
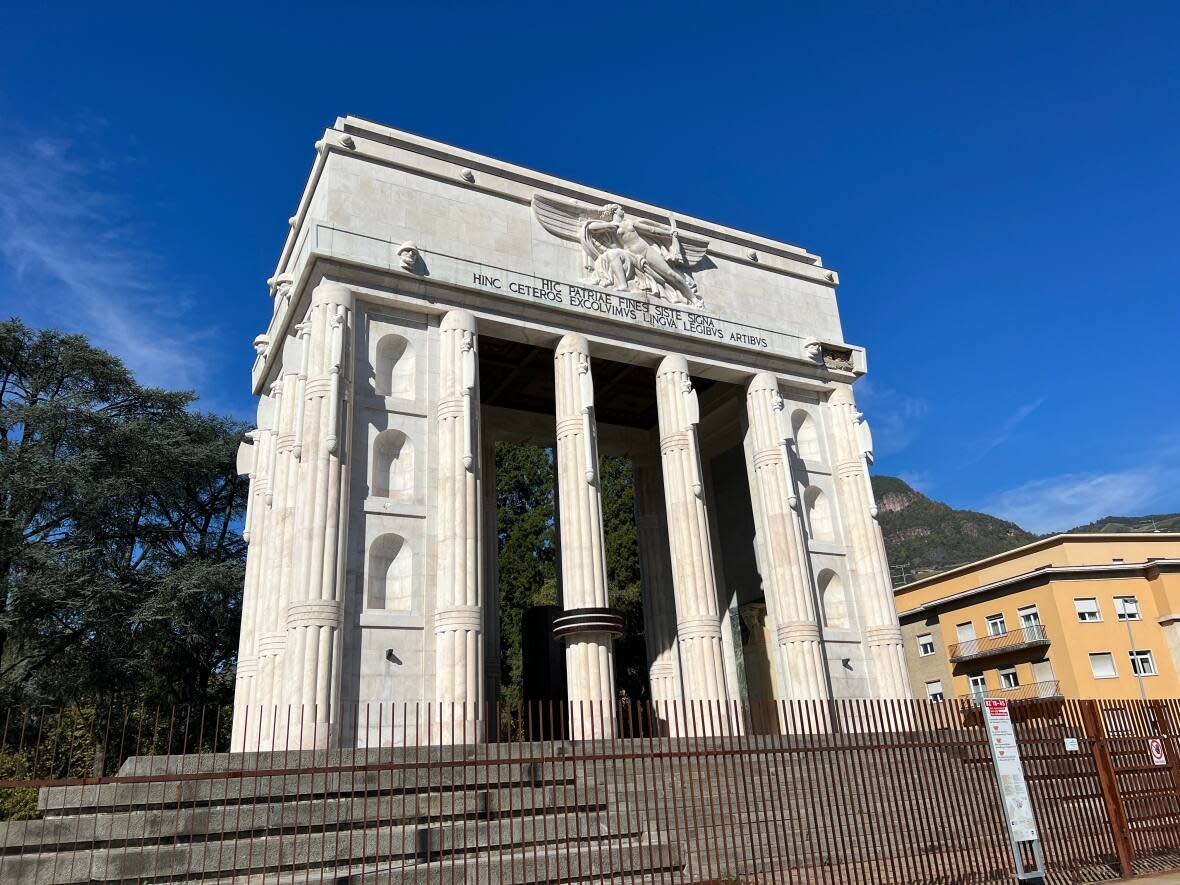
(924, 537)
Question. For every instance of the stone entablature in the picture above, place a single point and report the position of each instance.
(372, 574)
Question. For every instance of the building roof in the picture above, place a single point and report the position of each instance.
(1034, 548)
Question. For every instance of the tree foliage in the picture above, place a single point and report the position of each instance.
(121, 559)
(528, 546)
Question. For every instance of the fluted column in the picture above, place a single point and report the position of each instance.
(655, 572)
(786, 576)
(321, 447)
(277, 572)
(458, 614)
(698, 619)
(869, 565)
(587, 624)
(253, 532)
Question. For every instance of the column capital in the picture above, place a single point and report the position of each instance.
(458, 320)
(329, 292)
(763, 381)
(671, 364)
(572, 343)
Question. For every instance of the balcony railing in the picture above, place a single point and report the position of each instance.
(1050, 688)
(1000, 643)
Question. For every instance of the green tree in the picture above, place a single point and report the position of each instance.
(528, 545)
(527, 549)
(121, 559)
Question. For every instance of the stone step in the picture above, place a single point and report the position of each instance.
(625, 861)
(253, 787)
(117, 829)
(302, 851)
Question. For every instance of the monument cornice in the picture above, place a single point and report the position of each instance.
(356, 137)
(800, 372)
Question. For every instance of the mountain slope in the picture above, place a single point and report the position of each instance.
(923, 536)
(1160, 522)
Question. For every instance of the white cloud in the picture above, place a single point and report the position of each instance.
(895, 417)
(72, 244)
(1058, 503)
(1006, 429)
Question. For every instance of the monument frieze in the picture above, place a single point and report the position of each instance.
(633, 308)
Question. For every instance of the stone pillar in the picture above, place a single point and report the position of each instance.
(655, 572)
(273, 593)
(698, 619)
(458, 613)
(254, 533)
(321, 446)
(587, 624)
(866, 548)
(786, 575)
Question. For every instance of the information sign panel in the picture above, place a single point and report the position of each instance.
(1018, 808)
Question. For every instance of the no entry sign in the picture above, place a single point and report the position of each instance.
(1156, 746)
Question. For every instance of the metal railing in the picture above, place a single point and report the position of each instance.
(999, 643)
(834, 791)
(1050, 688)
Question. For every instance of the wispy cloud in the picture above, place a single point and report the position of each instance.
(896, 417)
(1061, 502)
(76, 260)
(1004, 433)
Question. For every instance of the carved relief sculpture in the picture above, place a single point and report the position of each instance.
(624, 253)
(407, 256)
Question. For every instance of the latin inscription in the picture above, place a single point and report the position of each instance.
(620, 307)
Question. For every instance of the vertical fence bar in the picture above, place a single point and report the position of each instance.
(1115, 812)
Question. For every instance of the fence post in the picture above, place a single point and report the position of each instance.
(1115, 812)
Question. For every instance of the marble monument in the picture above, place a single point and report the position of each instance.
(429, 301)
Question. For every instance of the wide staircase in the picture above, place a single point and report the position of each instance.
(447, 814)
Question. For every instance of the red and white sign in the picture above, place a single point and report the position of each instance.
(1006, 757)
(1156, 746)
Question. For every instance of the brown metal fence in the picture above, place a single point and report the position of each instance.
(841, 791)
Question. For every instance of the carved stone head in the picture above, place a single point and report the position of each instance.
(613, 211)
(407, 256)
(280, 285)
(813, 350)
(261, 344)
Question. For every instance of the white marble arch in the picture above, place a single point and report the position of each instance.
(358, 378)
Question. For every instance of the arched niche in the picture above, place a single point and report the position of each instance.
(391, 574)
(819, 514)
(393, 466)
(393, 372)
(806, 436)
(833, 602)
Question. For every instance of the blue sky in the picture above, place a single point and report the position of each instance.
(996, 183)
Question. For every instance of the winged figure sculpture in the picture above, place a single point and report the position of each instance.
(626, 253)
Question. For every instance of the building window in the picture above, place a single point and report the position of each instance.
(965, 631)
(1029, 616)
(1087, 609)
(925, 645)
(1126, 608)
(978, 684)
(1102, 665)
(996, 625)
(1009, 679)
(1143, 663)
(934, 690)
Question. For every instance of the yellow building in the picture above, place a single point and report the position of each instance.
(1076, 616)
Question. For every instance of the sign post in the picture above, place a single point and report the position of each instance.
(1018, 810)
